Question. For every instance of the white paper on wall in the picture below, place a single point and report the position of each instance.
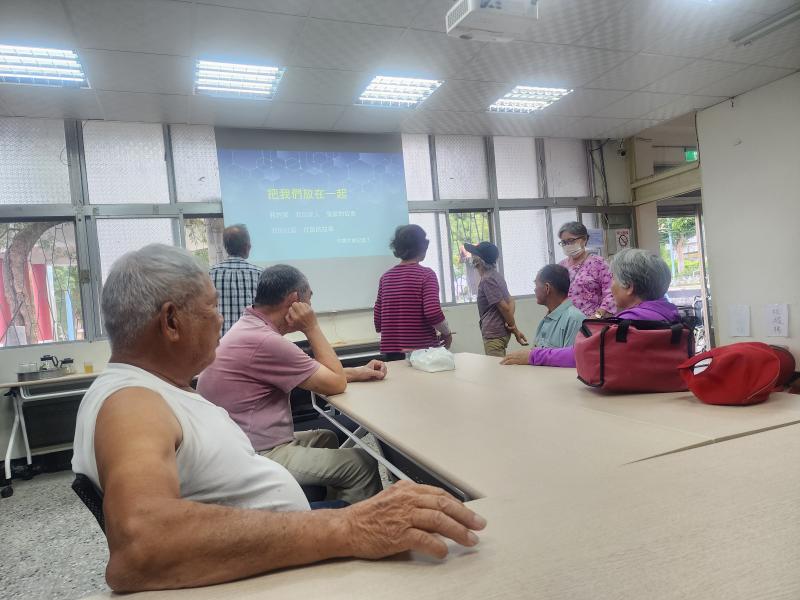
(777, 319)
(739, 320)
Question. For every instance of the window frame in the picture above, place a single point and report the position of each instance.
(85, 216)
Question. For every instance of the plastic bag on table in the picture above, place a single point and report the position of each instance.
(433, 360)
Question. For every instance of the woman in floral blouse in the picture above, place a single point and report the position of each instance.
(590, 277)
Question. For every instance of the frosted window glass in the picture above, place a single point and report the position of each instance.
(428, 222)
(516, 168)
(524, 248)
(461, 165)
(559, 216)
(125, 163)
(417, 166)
(194, 156)
(117, 236)
(33, 162)
(566, 165)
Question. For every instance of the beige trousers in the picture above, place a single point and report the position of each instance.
(314, 458)
(496, 346)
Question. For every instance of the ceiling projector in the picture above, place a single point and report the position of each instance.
(491, 20)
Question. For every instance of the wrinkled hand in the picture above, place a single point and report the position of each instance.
(520, 357)
(374, 370)
(301, 317)
(409, 516)
(447, 340)
(521, 339)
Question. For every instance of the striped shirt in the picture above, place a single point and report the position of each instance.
(407, 308)
(236, 281)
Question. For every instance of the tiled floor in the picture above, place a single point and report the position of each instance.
(50, 545)
(51, 548)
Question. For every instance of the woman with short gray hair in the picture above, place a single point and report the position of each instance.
(590, 287)
(639, 283)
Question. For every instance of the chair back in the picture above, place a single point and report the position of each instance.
(90, 496)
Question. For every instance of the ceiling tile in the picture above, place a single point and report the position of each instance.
(138, 72)
(536, 124)
(636, 104)
(432, 16)
(638, 71)
(428, 54)
(787, 60)
(372, 119)
(321, 86)
(246, 36)
(630, 128)
(228, 112)
(157, 26)
(6, 112)
(704, 28)
(348, 46)
(682, 106)
(690, 78)
(540, 64)
(465, 96)
(374, 12)
(35, 23)
(568, 21)
(744, 81)
(467, 123)
(637, 25)
(584, 103)
(148, 108)
(755, 52)
(295, 7)
(765, 7)
(591, 127)
(55, 103)
(309, 117)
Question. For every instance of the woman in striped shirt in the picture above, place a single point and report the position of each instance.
(407, 311)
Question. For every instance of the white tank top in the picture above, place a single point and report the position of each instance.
(216, 462)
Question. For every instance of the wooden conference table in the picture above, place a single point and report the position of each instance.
(586, 495)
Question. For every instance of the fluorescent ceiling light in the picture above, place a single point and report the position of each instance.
(767, 26)
(41, 66)
(527, 99)
(397, 92)
(236, 81)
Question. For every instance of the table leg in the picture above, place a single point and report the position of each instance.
(24, 429)
(11, 439)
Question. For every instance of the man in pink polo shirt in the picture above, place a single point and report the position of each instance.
(256, 369)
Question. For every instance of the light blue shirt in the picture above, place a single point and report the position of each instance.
(559, 328)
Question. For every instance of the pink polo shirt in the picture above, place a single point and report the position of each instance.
(255, 370)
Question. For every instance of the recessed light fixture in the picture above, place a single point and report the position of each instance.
(527, 99)
(232, 80)
(767, 26)
(41, 66)
(397, 92)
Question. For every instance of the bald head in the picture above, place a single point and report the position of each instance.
(236, 240)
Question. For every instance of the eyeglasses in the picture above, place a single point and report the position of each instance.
(563, 243)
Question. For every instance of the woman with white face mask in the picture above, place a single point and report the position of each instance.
(590, 277)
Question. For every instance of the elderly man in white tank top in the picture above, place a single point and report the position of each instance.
(187, 501)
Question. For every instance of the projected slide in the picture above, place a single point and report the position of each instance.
(301, 205)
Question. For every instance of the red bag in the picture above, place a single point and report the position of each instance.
(738, 374)
(621, 355)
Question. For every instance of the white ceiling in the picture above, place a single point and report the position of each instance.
(633, 63)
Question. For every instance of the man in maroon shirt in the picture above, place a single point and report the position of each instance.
(255, 370)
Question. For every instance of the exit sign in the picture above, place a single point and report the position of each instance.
(691, 155)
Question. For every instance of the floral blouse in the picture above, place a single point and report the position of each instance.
(590, 285)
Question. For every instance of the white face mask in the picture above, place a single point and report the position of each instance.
(573, 250)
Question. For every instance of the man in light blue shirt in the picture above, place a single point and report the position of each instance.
(563, 321)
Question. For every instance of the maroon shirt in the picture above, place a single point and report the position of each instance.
(407, 308)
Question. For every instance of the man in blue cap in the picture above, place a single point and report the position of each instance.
(495, 304)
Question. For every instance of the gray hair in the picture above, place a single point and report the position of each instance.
(647, 273)
(574, 228)
(140, 282)
(277, 282)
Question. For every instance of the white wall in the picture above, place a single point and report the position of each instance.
(750, 153)
(647, 226)
(344, 327)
